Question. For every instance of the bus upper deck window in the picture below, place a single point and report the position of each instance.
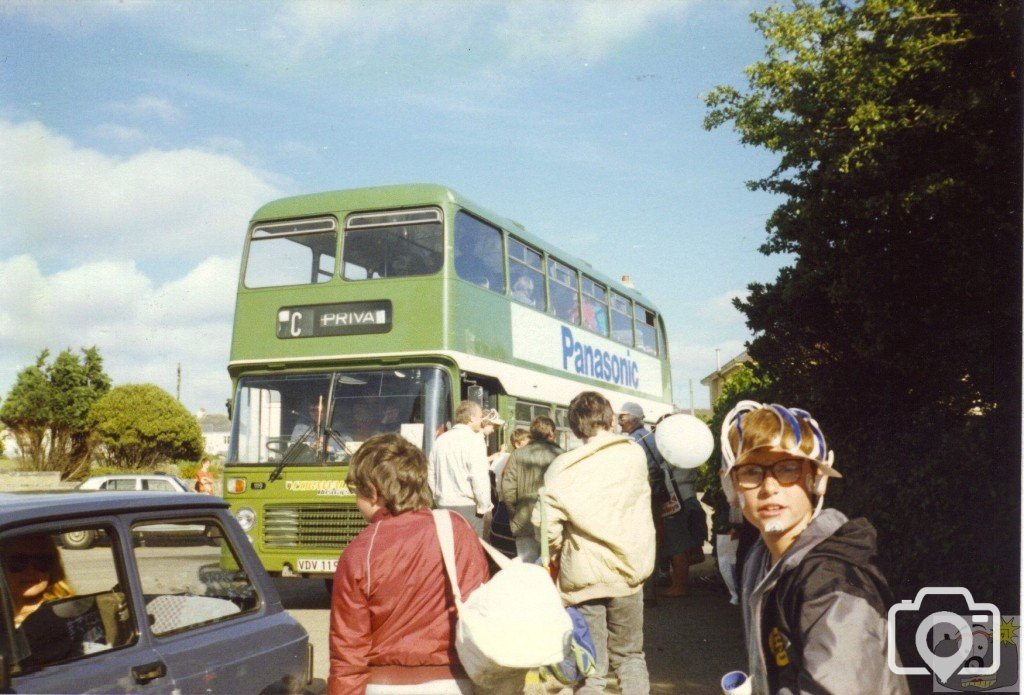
(646, 332)
(298, 252)
(622, 319)
(526, 270)
(565, 293)
(478, 253)
(395, 244)
(595, 306)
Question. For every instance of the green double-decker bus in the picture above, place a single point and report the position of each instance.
(378, 310)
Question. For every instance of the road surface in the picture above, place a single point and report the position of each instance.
(690, 642)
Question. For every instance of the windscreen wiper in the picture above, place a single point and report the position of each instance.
(336, 438)
(291, 454)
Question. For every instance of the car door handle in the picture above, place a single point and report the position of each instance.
(149, 672)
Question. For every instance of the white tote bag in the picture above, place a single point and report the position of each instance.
(514, 621)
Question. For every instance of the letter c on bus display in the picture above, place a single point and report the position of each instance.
(296, 317)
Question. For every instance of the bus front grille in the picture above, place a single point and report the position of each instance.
(311, 525)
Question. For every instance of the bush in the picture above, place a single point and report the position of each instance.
(141, 425)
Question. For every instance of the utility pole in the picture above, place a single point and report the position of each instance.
(691, 397)
(179, 383)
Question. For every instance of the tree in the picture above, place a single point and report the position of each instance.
(898, 127)
(141, 425)
(47, 407)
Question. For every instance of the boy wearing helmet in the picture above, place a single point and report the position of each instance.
(814, 600)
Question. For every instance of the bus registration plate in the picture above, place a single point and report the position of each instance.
(306, 564)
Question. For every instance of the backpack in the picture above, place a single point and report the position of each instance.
(514, 621)
(581, 661)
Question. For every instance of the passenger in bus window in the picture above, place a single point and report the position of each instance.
(478, 254)
(307, 419)
(522, 290)
(589, 316)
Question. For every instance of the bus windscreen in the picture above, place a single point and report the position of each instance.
(323, 418)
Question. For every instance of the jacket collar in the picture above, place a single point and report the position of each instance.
(593, 445)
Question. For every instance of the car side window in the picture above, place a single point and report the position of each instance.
(158, 485)
(65, 604)
(190, 575)
(119, 484)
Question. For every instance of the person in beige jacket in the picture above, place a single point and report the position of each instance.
(598, 506)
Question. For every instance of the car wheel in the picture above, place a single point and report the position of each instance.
(78, 540)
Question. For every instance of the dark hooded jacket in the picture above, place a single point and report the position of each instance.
(816, 621)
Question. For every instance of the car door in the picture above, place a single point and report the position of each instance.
(85, 638)
(213, 614)
(158, 485)
(121, 484)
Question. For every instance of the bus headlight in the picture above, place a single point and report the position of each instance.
(235, 486)
(246, 518)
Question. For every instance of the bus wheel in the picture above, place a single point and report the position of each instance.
(78, 540)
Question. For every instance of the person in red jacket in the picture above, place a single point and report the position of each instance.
(392, 614)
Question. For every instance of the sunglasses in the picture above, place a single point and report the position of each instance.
(751, 475)
(19, 562)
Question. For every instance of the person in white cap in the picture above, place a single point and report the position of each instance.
(815, 603)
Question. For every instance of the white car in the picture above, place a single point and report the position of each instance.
(126, 482)
(152, 482)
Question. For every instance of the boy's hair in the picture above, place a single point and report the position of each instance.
(541, 428)
(395, 468)
(464, 412)
(521, 435)
(761, 428)
(590, 412)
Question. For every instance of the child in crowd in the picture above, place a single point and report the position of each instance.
(814, 601)
(392, 617)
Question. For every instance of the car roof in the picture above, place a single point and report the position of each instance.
(20, 507)
(131, 475)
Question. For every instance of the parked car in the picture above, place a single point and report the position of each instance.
(127, 482)
(120, 618)
(150, 482)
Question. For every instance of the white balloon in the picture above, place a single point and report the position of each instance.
(684, 441)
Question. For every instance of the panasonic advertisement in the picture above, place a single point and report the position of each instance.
(550, 343)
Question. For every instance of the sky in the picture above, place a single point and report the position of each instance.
(138, 138)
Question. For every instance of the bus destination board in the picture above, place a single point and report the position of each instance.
(350, 318)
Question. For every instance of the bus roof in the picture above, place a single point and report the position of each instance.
(410, 195)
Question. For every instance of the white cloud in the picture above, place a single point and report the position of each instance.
(120, 134)
(316, 25)
(137, 255)
(582, 30)
(143, 329)
(719, 312)
(693, 352)
(147, 108)
(63, 203)
(499, 34)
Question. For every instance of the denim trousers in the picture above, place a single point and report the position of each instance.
(617, 628)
